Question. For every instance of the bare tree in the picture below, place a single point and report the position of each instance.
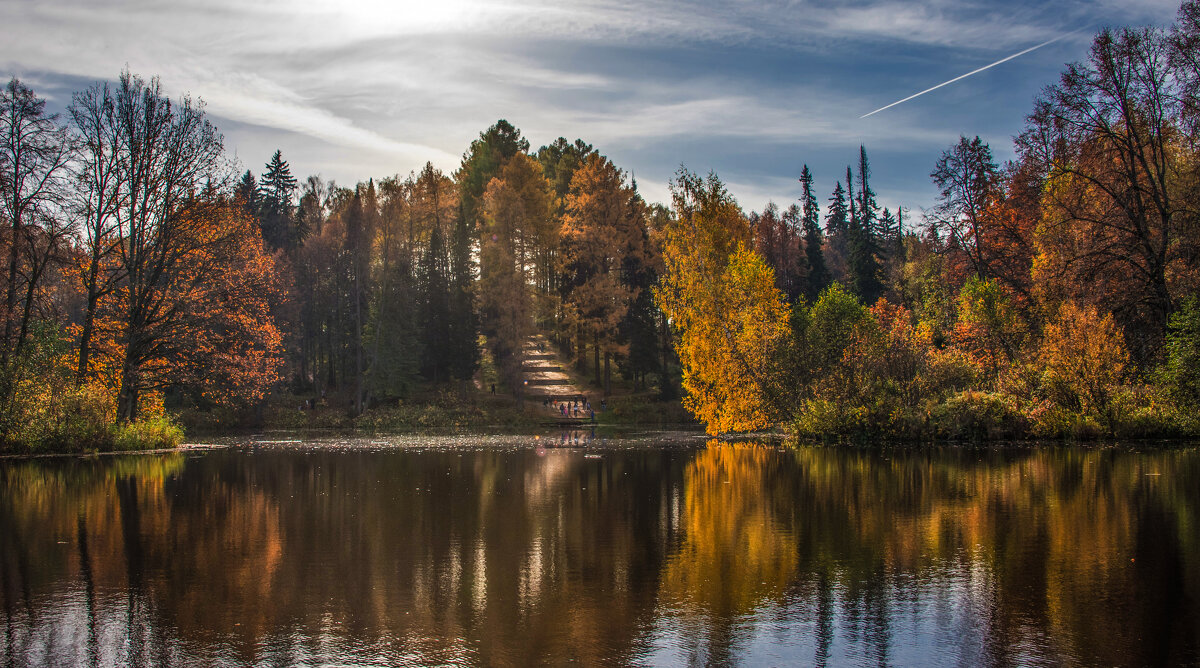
(34, 155)
(96, 205)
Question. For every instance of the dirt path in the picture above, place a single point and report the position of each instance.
(545, 380)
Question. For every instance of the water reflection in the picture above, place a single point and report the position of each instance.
(601, 553)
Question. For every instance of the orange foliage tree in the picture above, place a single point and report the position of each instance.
(602, 229)
(207, 324)
(1083, 356)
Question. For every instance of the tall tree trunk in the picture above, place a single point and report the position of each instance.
(89, 318)
(10, 298)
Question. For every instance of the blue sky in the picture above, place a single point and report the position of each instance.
(750, 90)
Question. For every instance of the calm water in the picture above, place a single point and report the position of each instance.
(512, 551)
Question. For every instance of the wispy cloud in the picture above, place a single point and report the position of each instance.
(386, 84)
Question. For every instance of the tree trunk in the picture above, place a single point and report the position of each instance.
(89, 318)
(10, 299)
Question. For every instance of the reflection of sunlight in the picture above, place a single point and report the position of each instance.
(479, 576)
(531, 577)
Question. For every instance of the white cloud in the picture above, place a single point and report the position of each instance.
(390, 83)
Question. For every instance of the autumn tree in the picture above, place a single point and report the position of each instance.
(167, 153)
(777, 241)
(1084, 357)
(721, 299)
(603, 236)
(969, 188)
(214, 333)
(517, 205)
(1115, 200)
(989, 328)
(96, 205)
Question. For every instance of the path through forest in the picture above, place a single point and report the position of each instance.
(544, 378)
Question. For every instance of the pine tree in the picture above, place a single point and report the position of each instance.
(868, 208)
(818, 274)
(482, 162)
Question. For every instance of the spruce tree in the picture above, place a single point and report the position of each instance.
(868, 208)
(246, 192)
(862, 248)
(276, 189)
(837, 216)
(818, 273)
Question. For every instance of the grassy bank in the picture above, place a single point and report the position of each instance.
(440, 410)
(644, 409)
(81, 435)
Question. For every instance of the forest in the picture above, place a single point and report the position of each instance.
(146, 275)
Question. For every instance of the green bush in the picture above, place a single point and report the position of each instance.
(976, 415)
(157, 433)
(1180, 374)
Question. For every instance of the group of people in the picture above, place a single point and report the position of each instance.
(574, 408)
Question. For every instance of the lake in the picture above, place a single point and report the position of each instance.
(652, 550)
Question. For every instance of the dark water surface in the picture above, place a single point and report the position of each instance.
(508, 552)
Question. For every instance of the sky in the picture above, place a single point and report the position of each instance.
(751, 90)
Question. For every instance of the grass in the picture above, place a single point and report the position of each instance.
(77, 435)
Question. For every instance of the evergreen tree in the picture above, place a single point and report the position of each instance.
(863, 265)
(853, 220)
(277, 214)
(464, 322)
(818, 274)
(394, 336)
(868, 208)
(559, 161)
(482, 162)
(435, 302)
(837, 216)
(246, 193)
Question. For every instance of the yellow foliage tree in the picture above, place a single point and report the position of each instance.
(731, 321)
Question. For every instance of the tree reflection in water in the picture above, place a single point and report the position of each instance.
(603, 554)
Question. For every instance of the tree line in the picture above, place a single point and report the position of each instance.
(1054, 295)
(145, 272)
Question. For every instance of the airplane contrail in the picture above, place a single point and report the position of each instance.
(976, 71)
